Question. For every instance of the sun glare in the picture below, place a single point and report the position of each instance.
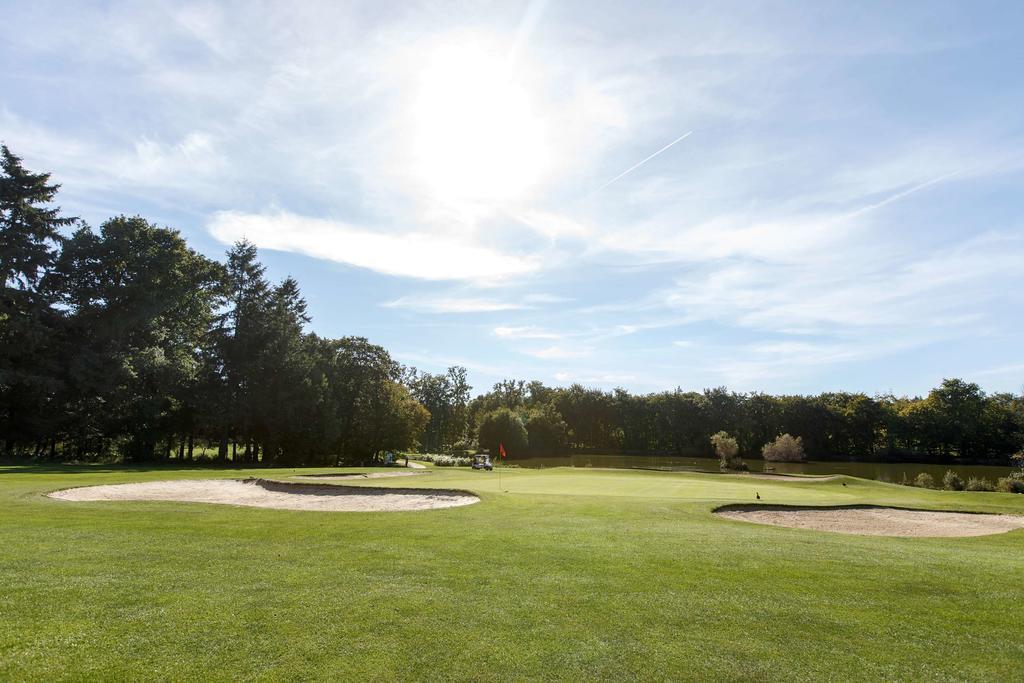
(477, 133)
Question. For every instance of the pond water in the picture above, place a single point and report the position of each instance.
(882, 471)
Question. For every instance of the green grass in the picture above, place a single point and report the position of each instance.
(571, 574)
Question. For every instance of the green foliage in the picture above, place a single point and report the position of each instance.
(138, 308)
(785, 448)
(924, 481)
(30, 353)
(446, 397)
(1011, 484)
(137, 346)
(951, 481)
(503, 426)
(727, 450)
(546, 430)
(591, 418)
(979, 484)
(444, 460)
(29, 228)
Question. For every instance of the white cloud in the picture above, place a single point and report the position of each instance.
(592, 378)
(749, 366)
(442, 304)
(898, 291)
(559, 351)
(1016, 369)
(554, 225)
(417, 255)
(525, 332)
(545, 299)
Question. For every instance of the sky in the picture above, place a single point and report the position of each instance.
(789, 197)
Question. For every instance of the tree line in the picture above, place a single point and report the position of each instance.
(125, 343)
(954, 421)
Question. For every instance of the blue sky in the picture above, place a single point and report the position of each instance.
(449, 179)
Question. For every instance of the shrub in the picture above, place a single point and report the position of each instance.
(951, 481)
(727, 451)
(464, 445)
(1011, 484)
(924, 481)
(441, 460)
(980, 484)
(785, 448)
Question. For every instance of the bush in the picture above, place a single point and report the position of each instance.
(727, 450)
(440, 460)
(951, 481)
(785, 448)
(464, 445)
(924, 481)
(980, 484)
(1011, 484)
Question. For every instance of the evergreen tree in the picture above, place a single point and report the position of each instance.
(238, 338)
(30, 233)
(29, 227)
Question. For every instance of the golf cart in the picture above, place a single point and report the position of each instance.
(482, 461)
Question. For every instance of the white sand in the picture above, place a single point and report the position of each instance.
(879, 521)
(270, 494)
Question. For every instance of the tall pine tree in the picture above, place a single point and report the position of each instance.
(30, 234)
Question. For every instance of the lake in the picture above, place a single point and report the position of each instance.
(882, 471)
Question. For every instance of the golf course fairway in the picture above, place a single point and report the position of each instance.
(558, 574)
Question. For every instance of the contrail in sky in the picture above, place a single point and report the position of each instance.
(531, 16)
(900, 195)
(641, 163)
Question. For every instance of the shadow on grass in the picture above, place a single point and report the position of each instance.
(103, 468)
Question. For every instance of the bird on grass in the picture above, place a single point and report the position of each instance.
(844, 483)
(758, 495)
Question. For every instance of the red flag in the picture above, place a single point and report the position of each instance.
(501, 449)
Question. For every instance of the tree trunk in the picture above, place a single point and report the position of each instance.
(222, 448)
(191, 443)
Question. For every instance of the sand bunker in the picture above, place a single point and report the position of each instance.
(877, 521)
(357, 475)
(263, 493)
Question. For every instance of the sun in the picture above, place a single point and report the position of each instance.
(477, 133)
